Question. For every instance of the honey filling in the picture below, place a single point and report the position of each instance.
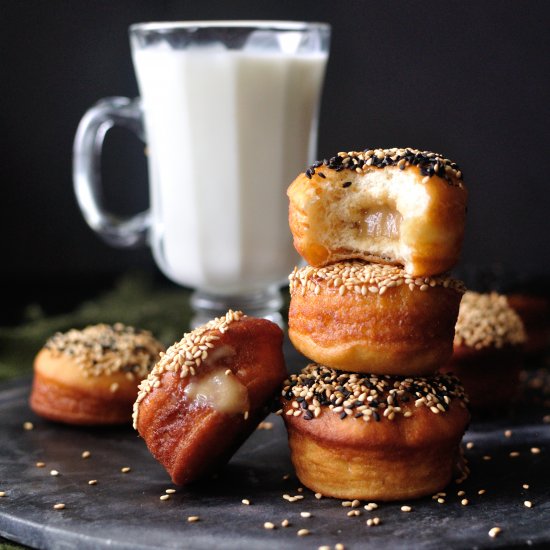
(220, 391)
(382, 221)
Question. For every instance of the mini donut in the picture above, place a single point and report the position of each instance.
(208, 393)
(398, 206)
(91, 376)
(488, 350)
(363, 436)
(373, 318)
(534, 311)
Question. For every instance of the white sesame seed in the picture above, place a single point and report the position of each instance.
(318, 496)
(305, 514)
(487, 457)
(193, 519)
(92, 482)
(170, 491)
(461, 493)
(54, 473)
(494, 531)
(302, 532)
(481, 492)
(164, 497)
(245, 501)
(285, 523)
(470, 445)
(441, 500)
(354, 513)
(339, 546)
(525, 486)
(535, 450)
(514, 454)
(527, 503)
(406, 508)
(355, 503)
(27, 426)
(508, 433)
(126, 469)
(86, 454)
(58, 506)
(464, 502)
(2, 494)
(40, 464)
(269, 525)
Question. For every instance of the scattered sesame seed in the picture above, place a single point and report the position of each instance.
(302, 532)
(406, 509)
(59, 506)
(300, 489)
(514, 454)
(86, 454)
(285, 523)
(525, 486)
(528, 504)
(286, 476)
(245, 415)
(2, 494)
(40, 464)
(245, 501)
(546, 418)
(487, 457)
(92, 482)
(305, 514)
(126, 469)
(464, 502)
(494, 531)
(339, 546)
(371, 506)
(228, 372)
(164, 497)
(346, 503)
(373, 521)
(354, 513)
(28, 426)
(318, 496)
(54, 473)
(535, 450)
(193, 519)
(470, 445)
(441, 500)
(186, 356)
(487, 320)
(481, 492)
(355, 503)
(461, 493)
(269, 525)
(508, 433)
(170, 491)
(265, 426)
(324, 548)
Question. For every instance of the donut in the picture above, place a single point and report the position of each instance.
(397, 206)
(374, 318)
(534, 311)
(488, 350)
(364, 436)
(91, 376)
(208, 393)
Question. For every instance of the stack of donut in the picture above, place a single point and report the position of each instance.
(375, 311)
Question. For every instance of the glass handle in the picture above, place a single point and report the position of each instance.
(88, 143)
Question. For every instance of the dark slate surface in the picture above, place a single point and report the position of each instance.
(123, 511)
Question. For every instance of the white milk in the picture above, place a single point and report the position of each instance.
(227, 132)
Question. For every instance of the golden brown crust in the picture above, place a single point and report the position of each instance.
(406, 455)
(490, 375)
(91, 376)
(403, 331)
(192, 438)
(329, 208)
(61, 392)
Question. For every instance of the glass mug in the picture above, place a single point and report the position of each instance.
(229, 113)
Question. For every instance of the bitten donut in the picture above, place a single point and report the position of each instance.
(398, 206)
(362, 436)
(91, 376)
(208, 393)
(373, 318)
(488, 350)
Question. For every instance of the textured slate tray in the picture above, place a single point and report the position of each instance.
(124, 510)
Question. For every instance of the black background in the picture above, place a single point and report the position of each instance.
(468, 79)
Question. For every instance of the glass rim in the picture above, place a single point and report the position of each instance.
(275, 25)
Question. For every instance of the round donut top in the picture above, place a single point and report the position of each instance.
(105, 349)
(429, 163)
(367, 396)
(185, 356)
(487, 320)
(361, 278)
